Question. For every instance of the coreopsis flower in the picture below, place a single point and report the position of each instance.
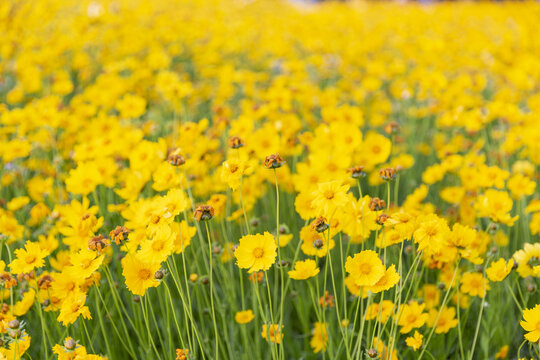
(365, 268)
(244, 317)
(520, 185)
(182, 354)
(379, 349)
(256, 277)
(528, 260)
(497, 206)
(182, 235)
(203, 213)
(415, 341)
(412, 316)
(430, 294)
(474, 284)
(84, 263)
(139, 274)
(502, 353)
(256, 252)
(329, 197)
(159, 247)
(21, 307)
(431, 234)
(304, 270)
(531, 323)
(72, 308)
(272, 333)
(314, 243)
(380, 312)
(319, 340)
(233, 170)
(273, 161)
(28, 259)
(499, 270)
(387, 281)
(447, 320)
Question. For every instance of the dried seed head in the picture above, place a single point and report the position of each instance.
(392, 128)
(319, 224)
(205, 281)
(159, 275)
(203, 213)
(175, 159)
(255, 222)
(235, 142)
(119, 234)
(381, 219)
(318, 243)
(357, 172)
(44, 282)
(377, 204)
(98, 243)
(273, 161)
(388, 174)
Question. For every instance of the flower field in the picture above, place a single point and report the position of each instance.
(212, 179)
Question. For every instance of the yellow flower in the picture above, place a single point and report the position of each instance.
(28, 259)
(474, 284)
(72, 308)
(139, 274)
(256, 252)
(84, 263)
(272, 333)
(431, 234)
(531, 323)
(244, 317)
(446, 320)
(497, 206)
(528, 260)
(304, 270)
(330, 196)
(387, 281)
(520, 185)
(319, 340)
(381, 312)
(412, 316)
(502, 353)
(365, 268)
(499, 269)
(415, 341)
(17, 203)
(315, 243)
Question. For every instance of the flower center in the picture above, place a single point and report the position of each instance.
(258, 253)
(30, 259)
(365, 268)
(144, 274)
(329, 194)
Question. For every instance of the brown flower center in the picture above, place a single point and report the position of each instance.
(258, 253)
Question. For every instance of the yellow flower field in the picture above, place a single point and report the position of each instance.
(262, 179)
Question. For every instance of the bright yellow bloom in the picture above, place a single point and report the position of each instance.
(256, 252)
(412, 316)
(244, 317)
(474, 284)
(329, 197)
(415, 341)
(139, 274)
(304, 270)
(28, 259)
(447, 319)
(272, 333)
(531, 323)
(319, 340)
(365, 268)
(499, 270)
